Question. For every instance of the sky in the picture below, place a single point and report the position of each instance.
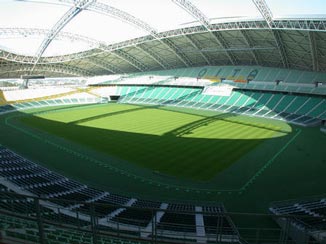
(162, 15)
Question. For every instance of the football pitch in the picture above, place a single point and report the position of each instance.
(171, 153)
(183, 145)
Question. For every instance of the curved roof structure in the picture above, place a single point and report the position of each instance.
(100, 37)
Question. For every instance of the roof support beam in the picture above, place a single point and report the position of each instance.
(314, 54)
(5, 32)
(153, 56)
(278, 40)
(123, 16)
(248, 42)
(48, 60)
(130, 19)
(201, 18)
(221, 42)
(190, 8)
(15, 58)
(65, 19)
(88, 55)
(297, 24)
(194, 11)
(289, 24)
(104, 65)
(56, 68)
(268, 16)
(182, 57)
(130, 59)
(71, 57)
(264, 11)
(30, 32)
(196, 46)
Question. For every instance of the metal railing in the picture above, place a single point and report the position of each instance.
(39, 219)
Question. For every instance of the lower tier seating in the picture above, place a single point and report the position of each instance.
(300, 109)
(296, 108)
(310, 214)
(66, 202)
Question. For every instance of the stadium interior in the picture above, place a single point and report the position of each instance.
(211, 130)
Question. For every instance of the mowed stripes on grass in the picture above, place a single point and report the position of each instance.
(193, 146)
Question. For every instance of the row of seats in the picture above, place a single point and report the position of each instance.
(315, 208)
(238, 73)
(299, 109)
(281, 87)
(261, 78)
(73, 203)
(53, 102)
(27, 94)
(292, 108)
(27, 231)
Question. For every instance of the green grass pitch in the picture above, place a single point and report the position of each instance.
(173, 154)
(183, 145)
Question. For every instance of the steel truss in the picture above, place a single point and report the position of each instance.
(79, 5)
(248, 42)
(196, 46)
(25, 32)
(105, 9)
(48, 60)
(221, 42)
(122, 15)
(295, 24)
(130, 19)
(307, 25)
(313, 51)
(56, 68)
(278, 24)
(268, 16)
(130, 59)
(182, 57)
(153, 56)
(265, 11)
(194, 11)
(303, 24)
(278, 40)
(198, 15)
(104, 65)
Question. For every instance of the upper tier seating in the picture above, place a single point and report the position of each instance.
(260, 78)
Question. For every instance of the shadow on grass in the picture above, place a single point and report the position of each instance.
(188, 128)
(53, 109)
(198, 159)
(105, 115)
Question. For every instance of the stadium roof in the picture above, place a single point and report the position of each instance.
(89, 37)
